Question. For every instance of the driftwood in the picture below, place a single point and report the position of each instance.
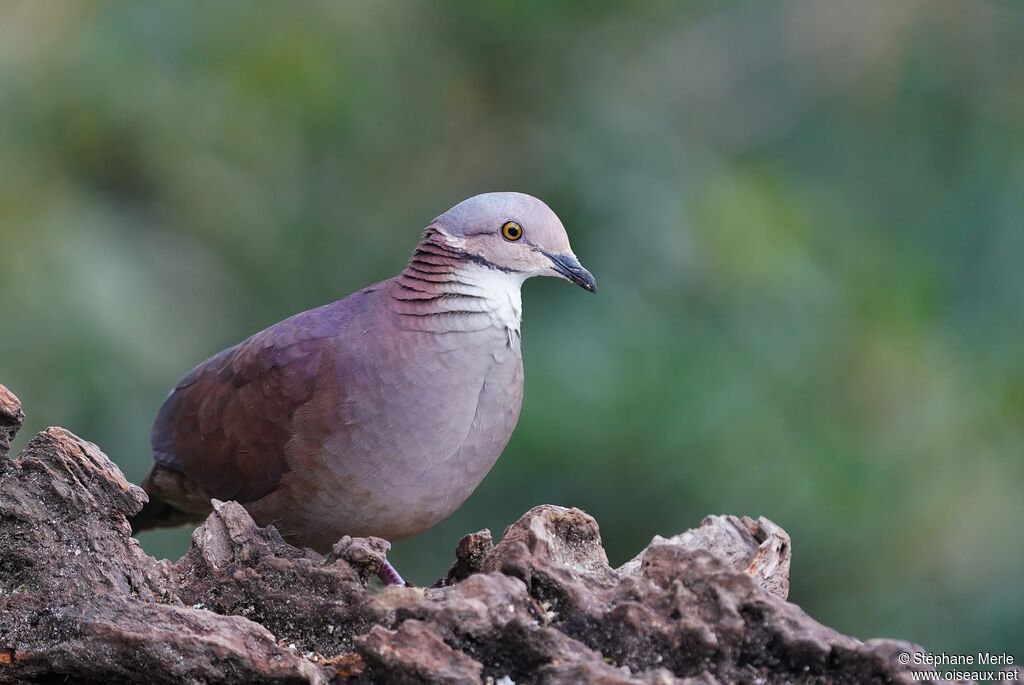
(81, 602)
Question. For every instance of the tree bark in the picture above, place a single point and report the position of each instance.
(81, 602)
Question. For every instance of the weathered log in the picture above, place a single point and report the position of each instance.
(81, 602)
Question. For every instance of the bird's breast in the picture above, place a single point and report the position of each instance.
(419, 419)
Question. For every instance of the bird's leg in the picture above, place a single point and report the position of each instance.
(390, 575)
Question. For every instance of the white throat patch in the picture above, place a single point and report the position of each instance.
(502, 291)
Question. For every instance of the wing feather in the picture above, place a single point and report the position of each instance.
(226, 425)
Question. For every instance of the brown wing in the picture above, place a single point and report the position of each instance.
(226, 424)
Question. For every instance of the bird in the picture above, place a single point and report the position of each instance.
(375, 415)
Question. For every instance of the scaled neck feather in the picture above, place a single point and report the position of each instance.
(446, 289)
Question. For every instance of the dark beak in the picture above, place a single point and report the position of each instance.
(570, 267)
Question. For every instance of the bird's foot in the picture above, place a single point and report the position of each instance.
(390, 575)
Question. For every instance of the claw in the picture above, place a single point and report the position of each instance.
(390, 575)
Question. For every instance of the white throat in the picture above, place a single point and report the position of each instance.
(502, 293)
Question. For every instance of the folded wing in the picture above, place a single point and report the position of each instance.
(226, 425)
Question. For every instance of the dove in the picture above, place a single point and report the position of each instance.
(375, 415)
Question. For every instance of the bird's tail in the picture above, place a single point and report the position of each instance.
(173, 501)
(157, 513)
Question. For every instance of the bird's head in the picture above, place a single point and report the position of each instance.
(514, 233)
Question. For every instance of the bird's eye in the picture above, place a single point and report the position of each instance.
(510, 230)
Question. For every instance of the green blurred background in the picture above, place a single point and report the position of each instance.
(805, 217)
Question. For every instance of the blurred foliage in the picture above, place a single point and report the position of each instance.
(805, 217)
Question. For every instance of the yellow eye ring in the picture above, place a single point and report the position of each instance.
(510, 230)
